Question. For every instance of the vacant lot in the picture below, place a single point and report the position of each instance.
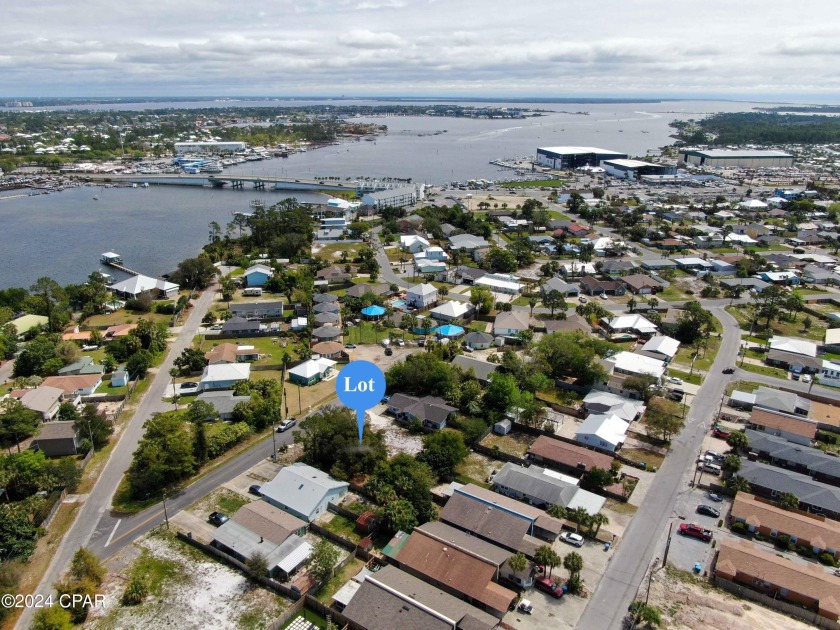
(515, 444)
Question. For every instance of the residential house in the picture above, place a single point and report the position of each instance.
(607, 432)
(511, 323)
(593, 286)
(778, 451)
(334, 307)
(745, 284)
(413, 243)
(556, 284)
(770, 481)
(779, 578)
(329, 350)
(391, 598)
(500, 283)
(120, 330)
(794, 428)
(421, 295)
(630, 324)
(333, 275)
(601, 402)
(577, 269)
(240, 326)
(467, 242)
(778, 400)
(543, 488)
(303, 491)
(617, 268)
(468, 275)
(44, 400)
(135, 286)
(261, 310)
(658, 264)
(431, 411)
(311, 371)
(572, 323)
(693, 264)
(223, 401)
(661, 347)
(793, 345)
(642, 284)
(478, 340)
(455, 571)
(358, 290)
(324, 298)
(282, 558)
(74, 386)
(224, 375)
(804, 530)
(25, 323)
(451, 310)
(57, 439)
(327, 332)
(570, 458)
(84, 365)
(480, 368)
(231, 353)
(257, 275)
(432, 253)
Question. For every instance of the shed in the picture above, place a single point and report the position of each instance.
(366, 523)
(503, 428)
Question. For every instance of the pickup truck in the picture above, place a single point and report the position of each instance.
(696, 531)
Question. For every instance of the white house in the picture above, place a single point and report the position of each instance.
(303, 491)
(413, 243)
(633, 364)
(224, 375)
(500, 283)
(136, 286)
(634, 324)
(448, 311)
(604, 431)
(663, 347)
(421, 295)
(432, 253)
(793, 345)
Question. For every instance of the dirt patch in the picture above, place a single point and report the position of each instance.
(515, 444)
(477, 468)
(397, 439)
(193, 592)
(689, 603)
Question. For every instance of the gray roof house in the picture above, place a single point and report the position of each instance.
(84, 365)
(320, 298)
(803, 459)
(777, 400)
(240, 326)
(478, 340)
(481, 369)
(57, 439)
(257, 309)
(556, 284)
(543, 487)
(303, 491)
(467, 242)
(433, 412)
(814, 496)
(44, 399)
(511, 323)
(224, 402)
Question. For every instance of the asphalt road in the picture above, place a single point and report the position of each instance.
(645, 537)
(94, 515)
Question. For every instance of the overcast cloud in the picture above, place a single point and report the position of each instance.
(720, 48)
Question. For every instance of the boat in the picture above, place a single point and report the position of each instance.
(95, 198)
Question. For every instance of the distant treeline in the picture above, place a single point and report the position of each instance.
(815, 109)
(759, 128)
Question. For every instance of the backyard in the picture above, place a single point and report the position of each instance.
(785, 328)
(271, 349)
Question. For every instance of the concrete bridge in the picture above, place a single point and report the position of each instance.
(237, 181)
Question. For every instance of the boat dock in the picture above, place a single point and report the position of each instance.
(114, 260)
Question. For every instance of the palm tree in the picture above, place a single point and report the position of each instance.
(814, 379)
(631, 304)
(738, 440)
(653, 302)
(579, 515)
(532, 302)
(544, 556)
(573, 563)
(597, 521)
(738, 484)
(518, 563)
(556, 511)
(788, 501)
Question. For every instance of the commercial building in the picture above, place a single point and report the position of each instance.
(209, 147)
(727, 158)
(634, 169)
(575, 157)
(393, 198)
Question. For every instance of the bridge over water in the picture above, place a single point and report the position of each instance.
(257, 182)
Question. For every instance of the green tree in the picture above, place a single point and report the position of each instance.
(136, 591)
(556, 511)
(399, 515)
(51, 297)
(195, 273)
(139, 364)
(86, 566)
(739, 441)
(788, 501)
(644, 384)
(16, 422)
(405, 478)
(93, 426)
(518, 563)
(257, 565)
(502, 392)
(421, 375)
(554, 300)
(731, 463)
(52, 618)
(164, 456)
(598, 478)
(737, 483)
(579, 516)
(562, 355)
(17, 534)
(501, 260)
(323, 560)
(663, 418)
(482, 299)
(191, 360)
(573, 563)
(546, 556)
(442, 452)
(597, 521)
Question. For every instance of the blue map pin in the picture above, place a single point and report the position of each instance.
(360, 385)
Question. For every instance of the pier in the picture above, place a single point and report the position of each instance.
(115, 260)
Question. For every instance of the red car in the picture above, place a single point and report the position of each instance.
(696, 531)
(719, 433)
(546, 585)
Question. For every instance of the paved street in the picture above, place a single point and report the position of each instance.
(641, 543)
(94, 514)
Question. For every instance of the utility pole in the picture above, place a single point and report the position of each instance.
(165, 513)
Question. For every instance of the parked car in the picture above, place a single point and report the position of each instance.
(350, 346)
(526, 606)
(675, 380)
(216, 327)
(729, 370)
(218, 519)
(806, 378)
(715, 497)
(693, 530)
(604, 297)
(547, 585)
(385, 399)
(719, 433)
(287, 424)
(388, 352)
(582, 299)
(715, 456)
(255, 490)
(188, 387)
(400, 343)
(708, 510)
(467, 349)
(571, 538)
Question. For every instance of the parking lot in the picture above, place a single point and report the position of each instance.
(685, 551)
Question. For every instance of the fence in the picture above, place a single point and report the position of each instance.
(58, 499)
(789, 609)
(236, 564)
(331, 536)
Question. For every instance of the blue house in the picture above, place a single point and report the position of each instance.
(119, 378)
(303, 491)
(257, 275)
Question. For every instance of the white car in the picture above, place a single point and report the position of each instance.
(806, 378)
(573, 539)
(675, 380)
(603, 296)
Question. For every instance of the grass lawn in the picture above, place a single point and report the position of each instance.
(642, 455)
(742, 386)
(810, 290)
(158, 571)
(619, 507)
(343, 527)
(724, 250)
(694, 379)
(123, 316)
(702, 362)
(784, 328)
(525, 301)
(339, 579)
(267, 346)
(365, 332)
(553, 214)
(475, 470)
(764, 369)
(333, 251)
(107, 388)
(515, 444)
(229, 502)
(537, 183)
(674, 293)
(236, 272)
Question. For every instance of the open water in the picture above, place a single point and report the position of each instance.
(61, 235)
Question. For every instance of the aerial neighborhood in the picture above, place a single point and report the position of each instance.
(620, 340)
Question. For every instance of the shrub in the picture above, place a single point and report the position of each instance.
(827, 559)
(165, 309)
(739, 528)
(226, 438)
(575, 584)
(136, 591)
(806, 552)
(782, 541)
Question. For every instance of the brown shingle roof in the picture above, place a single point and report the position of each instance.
(813, 529)
(267, 521)
(120, 330)
(568, 454)
(824, 414)
(71, 383)
(487, 521)
(783, 422)
(639, 281)
(457, 570)
(744, 560)
(223, 353)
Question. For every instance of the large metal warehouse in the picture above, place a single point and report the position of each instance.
(724, 157)
(575, 157)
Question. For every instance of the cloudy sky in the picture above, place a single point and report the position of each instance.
(713, 48)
